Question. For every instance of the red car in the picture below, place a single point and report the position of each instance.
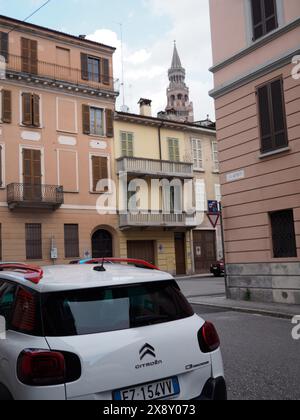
(218, 269)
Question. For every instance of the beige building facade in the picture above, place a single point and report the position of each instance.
(56, 141)
(256, 58)
(151, 149)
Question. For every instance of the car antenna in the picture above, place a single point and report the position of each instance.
(100, 268)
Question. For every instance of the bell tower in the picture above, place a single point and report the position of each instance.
(179, 106)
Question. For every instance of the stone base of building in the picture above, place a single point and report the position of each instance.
(265, 282)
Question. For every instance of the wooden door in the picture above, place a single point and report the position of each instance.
(32, 175)
(204, 250)
(142, 250)
(180, 253)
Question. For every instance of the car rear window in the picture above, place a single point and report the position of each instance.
(100, 310)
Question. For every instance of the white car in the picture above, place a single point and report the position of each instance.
(103, 331)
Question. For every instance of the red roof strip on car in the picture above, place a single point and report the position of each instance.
(34, 274)
(133, 261)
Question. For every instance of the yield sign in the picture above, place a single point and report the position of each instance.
(213, 218)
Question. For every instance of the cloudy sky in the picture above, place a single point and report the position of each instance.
(149, 29)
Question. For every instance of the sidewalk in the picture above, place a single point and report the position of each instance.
(268, 309)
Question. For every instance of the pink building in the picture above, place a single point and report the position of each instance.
(256, 54)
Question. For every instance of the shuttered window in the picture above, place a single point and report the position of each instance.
(126, 144)
(33, 235)
(105, 65)
(264, 17)
(273, 128)
(96, 122)
(4, 45)
(109, 114)
(200, 195)
(173, 146)
(283, 234)
(29, 56)
(197, 154)
(71, 241)
(95, 69)
(99, 170)
(30, 110)
(215, 156)
(6, 106)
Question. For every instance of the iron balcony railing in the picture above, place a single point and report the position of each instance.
(154, 167)
(56, 73)
(151, 219)
(34, 196)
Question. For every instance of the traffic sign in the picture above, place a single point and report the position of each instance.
(213, 218)
(213, 207)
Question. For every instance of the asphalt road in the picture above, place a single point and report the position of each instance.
(207, 286)
(262, 361)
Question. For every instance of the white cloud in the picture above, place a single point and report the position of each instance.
(146, 69)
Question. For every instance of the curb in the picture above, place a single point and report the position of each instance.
(246, 310)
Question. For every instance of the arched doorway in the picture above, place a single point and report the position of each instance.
(102, 244)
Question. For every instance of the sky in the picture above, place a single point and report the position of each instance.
(149, 30)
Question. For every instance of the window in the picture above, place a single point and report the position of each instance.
(29, 56)
(95, 311)
(71, 241)
(215, 154)
(173, 146)
(93, 121)
(30, 110)
(96, 122)
(264, 17)
(95, 69)
(4, 45)
(126, 144)
(33, 235)
(197, 154)
(273, 128)
(7, 298)
(283, 234)
(200, 195)
(99, 171)
(6, 111)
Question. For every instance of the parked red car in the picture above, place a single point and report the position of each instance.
(218, 268)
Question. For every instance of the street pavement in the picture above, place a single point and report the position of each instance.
(261, 359)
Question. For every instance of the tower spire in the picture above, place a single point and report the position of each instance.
(176, 62)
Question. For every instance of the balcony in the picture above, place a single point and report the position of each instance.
(148, 220)
(58, 76)
(49, 197)
(155, 168)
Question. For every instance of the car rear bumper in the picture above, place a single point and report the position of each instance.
(214, 390)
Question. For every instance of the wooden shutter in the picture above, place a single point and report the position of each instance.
(109, 123)
(6, 106)
(105, 78)
(25, 51)
(36, 110)
(27, 110)
(86, 119)
(71, 241)
(174, 150)
(32, 168)
(33, 234)
(273, 126)
(4, 45)
(84, 67)
(99, 170)
(33, 57)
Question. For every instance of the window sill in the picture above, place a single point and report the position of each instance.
(274, 152)
(202, 171)
(31, 127)
(216, 172)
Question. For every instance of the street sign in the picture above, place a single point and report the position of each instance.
(213, 213)
(213, 207)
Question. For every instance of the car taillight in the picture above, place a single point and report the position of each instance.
(208, 338)
(24, 316)
(45, 368)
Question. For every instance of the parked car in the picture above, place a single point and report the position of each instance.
(103, 331)
(218, 268)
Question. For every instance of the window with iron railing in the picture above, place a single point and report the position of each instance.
(71, 241)
(283, 234)
(33, 238)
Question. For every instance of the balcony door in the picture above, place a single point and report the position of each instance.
(32, 175)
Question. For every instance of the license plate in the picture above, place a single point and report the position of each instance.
(148, 392)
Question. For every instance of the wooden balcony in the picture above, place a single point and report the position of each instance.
(148, 220)
(154, 168)
(58, 76)
(49, 197)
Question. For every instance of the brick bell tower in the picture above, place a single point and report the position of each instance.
(179, 107)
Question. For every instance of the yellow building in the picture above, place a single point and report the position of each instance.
(148, 150)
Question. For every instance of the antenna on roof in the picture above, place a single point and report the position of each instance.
(122, 67)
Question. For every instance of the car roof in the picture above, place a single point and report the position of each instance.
(72, 277)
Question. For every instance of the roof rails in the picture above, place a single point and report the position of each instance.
(34, 274)
(136, 262)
